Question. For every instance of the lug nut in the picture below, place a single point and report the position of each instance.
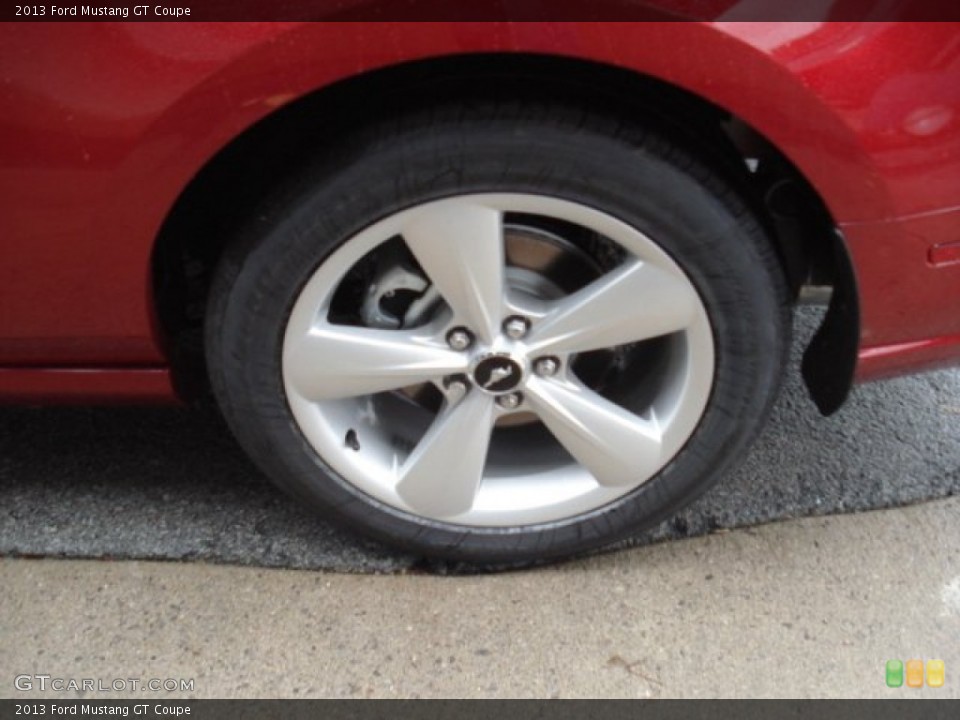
(509, 401)
(459, 339)
(546, 367)
(516, 327)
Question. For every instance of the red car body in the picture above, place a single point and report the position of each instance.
(104, 125)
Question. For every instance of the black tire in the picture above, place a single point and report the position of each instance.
(620, 168)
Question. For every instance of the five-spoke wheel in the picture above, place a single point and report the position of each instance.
(499, 331)
(500, 340)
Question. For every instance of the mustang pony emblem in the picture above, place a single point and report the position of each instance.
(498, 374)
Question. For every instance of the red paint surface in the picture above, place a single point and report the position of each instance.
(104, 124)
(904, 299)
(892, 360)
(76, 385)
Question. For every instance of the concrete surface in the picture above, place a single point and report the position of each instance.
(806, 608)
(172, 483)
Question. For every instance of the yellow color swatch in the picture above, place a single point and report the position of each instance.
(935, 673)
(914, 673)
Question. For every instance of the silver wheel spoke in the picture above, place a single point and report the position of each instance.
(337, 361)
(635, 302)
(442, 475)
(460, 247)
(616, 446)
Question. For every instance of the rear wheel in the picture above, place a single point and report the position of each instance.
(499, 335)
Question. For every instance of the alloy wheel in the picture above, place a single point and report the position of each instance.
(496, 360)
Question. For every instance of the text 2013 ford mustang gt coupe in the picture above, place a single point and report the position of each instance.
(488, 291)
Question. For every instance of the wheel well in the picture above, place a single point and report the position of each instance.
(226, 192)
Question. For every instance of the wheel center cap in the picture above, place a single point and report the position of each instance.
(497, 374)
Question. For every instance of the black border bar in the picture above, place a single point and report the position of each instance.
(486, 10)
(487, 709)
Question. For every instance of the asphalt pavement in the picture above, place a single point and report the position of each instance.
(171, 483)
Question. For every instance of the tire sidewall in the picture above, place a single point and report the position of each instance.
(636, 177)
